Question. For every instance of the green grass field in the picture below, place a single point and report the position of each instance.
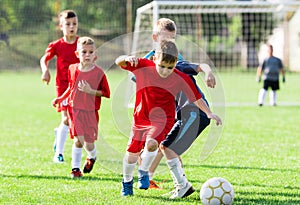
(258, 153)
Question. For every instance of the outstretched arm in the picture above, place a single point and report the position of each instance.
(194, 69)
(124, 59)
(209, 76)
(200, 103)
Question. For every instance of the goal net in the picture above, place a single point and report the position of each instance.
(230, 33)
(222, 34)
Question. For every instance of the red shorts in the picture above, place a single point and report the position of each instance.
(83, 123)
(139, 134)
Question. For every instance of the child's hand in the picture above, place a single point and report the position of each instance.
(216, 118)
(55, 101)
(46, 77)
(258, 79)
(132, 60)
(210, 80)
(84, 86)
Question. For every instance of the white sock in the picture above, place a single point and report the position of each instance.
(273, 97)
(62, 134)
(147, 159)
(92, 154)
(128, 170)
(177, 172)
(261, 96)
(76, 157)
(150, 175)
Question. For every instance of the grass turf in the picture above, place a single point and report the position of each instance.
(258, 152)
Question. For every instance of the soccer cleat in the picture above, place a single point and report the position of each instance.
(169, 193)
(127, 188)
(58, 158)
(182, 192)
(88, 165)
(76, 173)
(153, 185)
(143, 179)
(55, 137)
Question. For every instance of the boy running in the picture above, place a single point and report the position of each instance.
(87, 84)
(64, 50)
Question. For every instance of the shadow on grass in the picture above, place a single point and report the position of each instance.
(84, 178)
(164, 198)
(243, 168)
(266, 198)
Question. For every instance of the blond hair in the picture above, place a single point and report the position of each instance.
(85, 41)
(164, 24)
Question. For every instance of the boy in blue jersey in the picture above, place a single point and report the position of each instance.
(190, 120)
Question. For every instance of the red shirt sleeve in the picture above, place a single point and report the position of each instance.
(104, 87)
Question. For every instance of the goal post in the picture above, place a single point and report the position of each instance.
(229, 32)
(222, 34)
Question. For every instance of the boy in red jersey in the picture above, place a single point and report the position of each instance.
(87, 84)
(157, 83)
(64, 50)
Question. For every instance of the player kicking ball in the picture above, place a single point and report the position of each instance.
(157, 84)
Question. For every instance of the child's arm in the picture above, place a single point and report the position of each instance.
(61, 98)
(283, 74)
(258, 73)
(194, 69)
(209, 76)
(200, 103)
(45, 71)
(84, 86)
(124, 59)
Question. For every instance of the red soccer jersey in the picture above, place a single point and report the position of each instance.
(97, 80)
(155, 96)
(65, 54)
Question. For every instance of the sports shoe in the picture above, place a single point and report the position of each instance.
(169, 193)
(55, 137)
(88, 165)
(127, 188)
(58, 159)
(153, 185)
(76, 173)
(143, 179)
(182, 192)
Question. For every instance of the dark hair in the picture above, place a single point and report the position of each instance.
(67, 14)
(168, 51)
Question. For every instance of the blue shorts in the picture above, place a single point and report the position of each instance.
(185, 130)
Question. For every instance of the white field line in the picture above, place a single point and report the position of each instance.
(249, 104)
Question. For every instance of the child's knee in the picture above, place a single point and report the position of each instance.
(78, 143)
(151, 145)
(161, 146)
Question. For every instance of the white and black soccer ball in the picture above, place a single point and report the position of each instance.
(216, 191)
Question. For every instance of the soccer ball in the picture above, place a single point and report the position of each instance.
(216, 191)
